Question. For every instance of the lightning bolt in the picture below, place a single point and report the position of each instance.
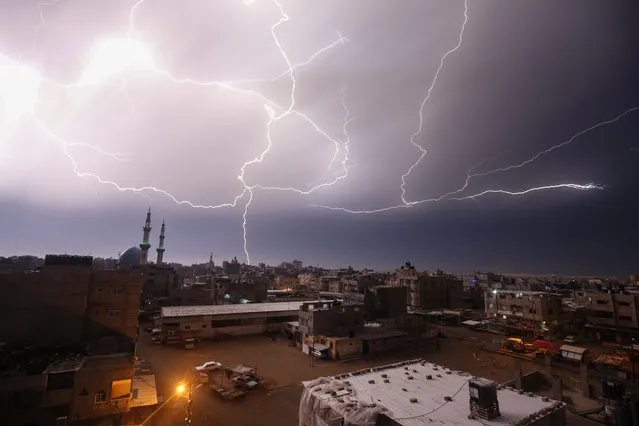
(419, 130)
(115, 56)
(470, 175)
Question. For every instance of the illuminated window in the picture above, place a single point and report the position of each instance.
(120, 389)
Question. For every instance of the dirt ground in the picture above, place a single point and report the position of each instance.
(283, 367)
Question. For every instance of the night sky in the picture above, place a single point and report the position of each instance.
(527, 76)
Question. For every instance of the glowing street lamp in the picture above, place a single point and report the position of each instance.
(180, 389)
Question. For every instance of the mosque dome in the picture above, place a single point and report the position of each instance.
(129, 257)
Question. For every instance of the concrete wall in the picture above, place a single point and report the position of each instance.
(97, 375)
(339, 320)
(114, 304)
(46, 306)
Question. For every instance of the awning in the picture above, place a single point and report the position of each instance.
(471, 323)
(572, 353)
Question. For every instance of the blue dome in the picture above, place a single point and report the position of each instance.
(129, 257)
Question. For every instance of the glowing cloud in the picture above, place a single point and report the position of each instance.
(19, 90)
(114, 56)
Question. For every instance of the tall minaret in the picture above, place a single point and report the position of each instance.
(145, 246)
(160, 248)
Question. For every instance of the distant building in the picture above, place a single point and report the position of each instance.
(430, 291)
(390, 301)
(308, 281)
(417, 392)
(614, 317)
(283, 282)
(537, 309)
(188, 324)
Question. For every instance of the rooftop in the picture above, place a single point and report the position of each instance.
(246, 308)
(404, 393)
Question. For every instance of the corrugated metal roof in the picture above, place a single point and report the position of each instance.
(246, 308)
(409, 380)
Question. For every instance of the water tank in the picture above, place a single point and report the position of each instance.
(483, 398)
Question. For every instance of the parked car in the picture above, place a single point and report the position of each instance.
(571, 339)
(208, 366)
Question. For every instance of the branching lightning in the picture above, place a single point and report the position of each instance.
(115, 56)
(110, 59)
(419, 130)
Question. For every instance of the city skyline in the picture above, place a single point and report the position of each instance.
(518, 105)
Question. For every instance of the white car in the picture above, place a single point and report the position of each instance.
(208, 366)
(571, 339)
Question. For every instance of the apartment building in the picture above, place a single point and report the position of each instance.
(71, 336)
(308, 281)
(330, 319)
(528, 306)
(610, 309)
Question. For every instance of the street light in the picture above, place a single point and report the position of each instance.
(180, 389)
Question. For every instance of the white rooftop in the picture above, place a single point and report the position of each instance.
(355, 392)
(243, 308)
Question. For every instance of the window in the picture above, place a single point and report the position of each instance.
(113, 313)
(100, 397)
(117, 291)
(187, 327)
(625, 318)
(135, 394)
(120, 388)
(602, 302)
(203, 325)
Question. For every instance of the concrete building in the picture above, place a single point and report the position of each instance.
(330, 319)
(308, 281)
(389, 301)
(610, 309)
(71, 336)
(66, 302)
(527, 305)
(612, 317)
(430, 291)
(182, 324)
(415, 393)
(72, 389)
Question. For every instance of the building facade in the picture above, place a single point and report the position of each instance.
(529, 306)
(73, 330)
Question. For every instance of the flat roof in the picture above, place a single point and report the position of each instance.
(353, 394)
(242, 308)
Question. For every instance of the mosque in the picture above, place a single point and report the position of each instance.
(138, 256)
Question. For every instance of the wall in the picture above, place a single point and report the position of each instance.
(391, 301)
(114, 304)
(344, 347)
(97, 375)
(44, 307)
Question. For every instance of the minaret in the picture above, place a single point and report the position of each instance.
(145, 246)
(160, 248)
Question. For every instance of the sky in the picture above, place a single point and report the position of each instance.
(477, 135)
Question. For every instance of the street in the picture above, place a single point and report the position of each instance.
(283, 367)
